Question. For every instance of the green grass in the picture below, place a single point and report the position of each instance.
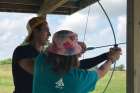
(6, 82)
(117, 85)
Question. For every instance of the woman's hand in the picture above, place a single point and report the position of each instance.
(114, 54)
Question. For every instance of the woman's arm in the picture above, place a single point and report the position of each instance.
(103, 69)
(91, 62)
(114, 55)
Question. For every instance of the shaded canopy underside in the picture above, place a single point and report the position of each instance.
(42, 7)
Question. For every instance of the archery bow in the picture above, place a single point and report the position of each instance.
(115, 41)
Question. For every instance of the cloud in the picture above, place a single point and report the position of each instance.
(12, 32)
(97, 21)
(114, 8)
(121, 28)
(76, 21)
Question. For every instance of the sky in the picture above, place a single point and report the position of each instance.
(98, 33)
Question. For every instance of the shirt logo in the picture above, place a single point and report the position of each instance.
(59, 84)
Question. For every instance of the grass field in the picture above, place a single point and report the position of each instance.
(6, 84)
(117, 85)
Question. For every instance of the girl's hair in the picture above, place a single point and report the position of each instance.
(62, 64)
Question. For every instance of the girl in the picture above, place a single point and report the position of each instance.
(58, 71)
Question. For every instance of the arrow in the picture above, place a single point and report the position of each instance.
(91, 48)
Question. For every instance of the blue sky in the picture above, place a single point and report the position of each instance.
(13, 27)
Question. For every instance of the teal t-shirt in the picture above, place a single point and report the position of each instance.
(75, 81)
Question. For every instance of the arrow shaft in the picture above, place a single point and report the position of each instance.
(91, 48)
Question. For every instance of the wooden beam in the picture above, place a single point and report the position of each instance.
(23, 2)
(14, 7)
(84, 3)
(50, 6)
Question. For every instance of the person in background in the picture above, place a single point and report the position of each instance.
(24, 55)
(57, 70)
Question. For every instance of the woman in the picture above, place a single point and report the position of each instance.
(58, 70)
(23, 55)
